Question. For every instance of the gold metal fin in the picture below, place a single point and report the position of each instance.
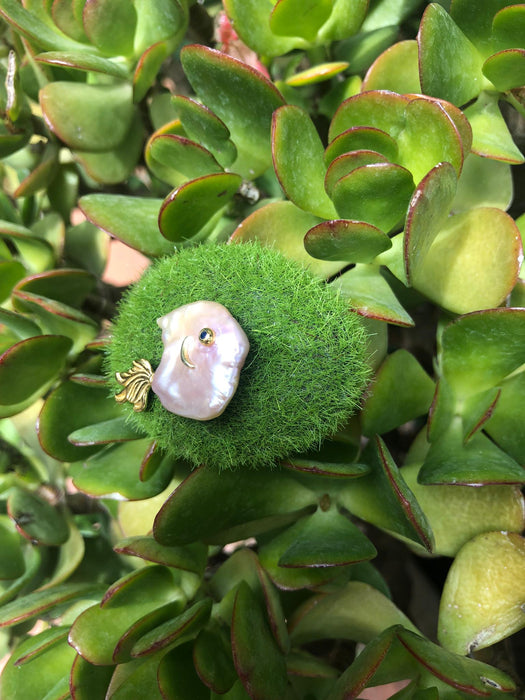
(136, 383)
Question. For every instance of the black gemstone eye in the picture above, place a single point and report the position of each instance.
(207, 336)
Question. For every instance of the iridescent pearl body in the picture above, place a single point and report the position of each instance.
(204, 352)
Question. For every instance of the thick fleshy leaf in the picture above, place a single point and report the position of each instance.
(283, 226)
(58, 420)
(84, 62)
(490, 135)
(484, 593)
(70, 556)
(456, 514)
(11, 272)
(481, 239)
(383, 498)
(35, 253)
(346, 163)
(326, 538)
(39, 33)
(380, 109)
(300, 18)
(127, 611)
(36, 519)
(68, 286)
(504, 425)
(427, 212)
(480, 349)
(317, 74)
(175, 630)
(88, 682)
(30, 365)
(187, 157)
(429, 136)
(41, 176)
(116, 470)
(449, 64)
(41, 602)
(370, 295)
(242, 97)
(213, 660)
(109, 431)
(478, 462)
(12, 564)
(345, 19)
(164, 20)
(88, 117)
(45, 677)
(506, 69)
(357, 612)
(395, 69)
(19, 325)
(110, 25)
(204, 127)
(508, 27)
(132, 220)
(377, 194)
(40, 644)
(187, 209)
(333, 459)
(342, 239)
(136, 678)
(176, 677)
(191, 557)
(259, 662)
(401, 391)
(147, 69)
(258, 502)
(299, 163)
(358, 138)
(33, 560)
(483, 183)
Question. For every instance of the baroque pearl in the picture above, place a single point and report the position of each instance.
(204, 352)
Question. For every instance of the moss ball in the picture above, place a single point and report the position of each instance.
(305, 371)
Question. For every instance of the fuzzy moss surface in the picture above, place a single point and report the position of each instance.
(304, 374)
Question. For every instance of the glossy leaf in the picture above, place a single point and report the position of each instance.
(379, 109)
(334, 459)
(342, 239)
(358, 138)
(213, 660)
(12, 564)
(110, 25)
(491, 137)
(299, 164)
(58, 420)
(506, 69)
(116, 470)
(346, 163)
(508, 27)
(383, 498)
(191, 557)
(88, 682)
(258, 661)
(326, 538)
(177, 678)
(36, 519)
(402, 390)
(395, 69)
(147, 69)
(504, 423)
(357, 612)
(484, 594)
(370, 295)
(38, 32)
(10, 273)
(299, 18)
(283, 226)
(258, 502)
(481, 239)
(132, 220)
(189, 207)
(483, 183)
(68, 286)
(84, 62)
(241, 97)
(41, 176)
(377, 194)
(113, 430)
(88, 117)
(345, 19)
(30, 365)
(427, 213)
(188, 158)
(36, 254)
(450, 65)
(317, 74)
(456, 514)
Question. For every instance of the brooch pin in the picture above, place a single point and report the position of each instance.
(204, 352)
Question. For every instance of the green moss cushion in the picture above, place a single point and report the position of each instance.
(303, 376)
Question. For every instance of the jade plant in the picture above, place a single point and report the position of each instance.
(344, 176)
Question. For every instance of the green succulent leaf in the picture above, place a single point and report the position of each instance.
(12, 564)
(508, 27)
(88, 62)
(491, 137)
(109, 431)
(283, 226)
(358, 138)
(383, 498)
(10, 273)
(132, 220)
(110, 25)
(89, 682)
(213, 660)
(88, 117)
(348, 162)
(35, 253)
(342, 239)
(480, 239)
(345, 19)
(163, 21)
(370, 295)
(503, 425)
(357, 612)
(191, 557)
(296, 18)
(396, 69)
(260, 664)
(187, 209)
(30, 365)
(241, 97)
(506, 69)
(36, 519)
(475, 613)
(186, 157)
(299, 164)
(483, 183)
(41, 176)
(317, 74)
(333, 459)
(449, 64)
(263, 501)
(177, 678)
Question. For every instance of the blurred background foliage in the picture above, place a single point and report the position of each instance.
(380, 144)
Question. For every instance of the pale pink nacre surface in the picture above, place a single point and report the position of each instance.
(204, 391)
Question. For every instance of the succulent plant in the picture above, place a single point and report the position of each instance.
(350, 169)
